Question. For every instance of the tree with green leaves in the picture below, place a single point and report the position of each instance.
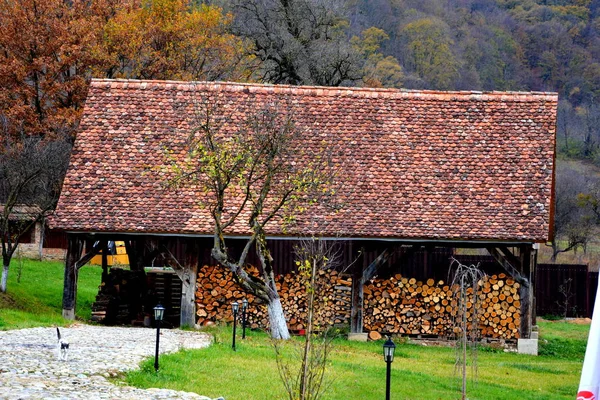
(429, 53)
(378, 70)
(254, 173)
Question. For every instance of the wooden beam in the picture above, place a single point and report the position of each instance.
(73, 264)
(526, 293)
(359, 278)
(188, 287)
(95, 249)
(104, 261)
(74, 250)
(520, 269)
(534, 259)
(187, 271)
(510, 265)
(356, 310)
(373, 268)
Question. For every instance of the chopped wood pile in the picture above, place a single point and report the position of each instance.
(119, 299)
(403, 305)
(396, 305)
(216, 290)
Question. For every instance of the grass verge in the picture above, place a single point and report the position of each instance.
(357, 371)
(37, 299)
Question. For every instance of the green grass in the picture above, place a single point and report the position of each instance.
(37, 299)
(357, 370)
(563, 340)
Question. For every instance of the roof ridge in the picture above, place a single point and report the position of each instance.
(324, 90)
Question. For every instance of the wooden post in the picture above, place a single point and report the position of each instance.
(74, 250)
(534, 258)
(526, 292)
(104, 261)
(356, 312)
(359, 277)
(135, 253)
(188, 276)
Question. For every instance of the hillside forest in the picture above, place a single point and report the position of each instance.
(50, 49)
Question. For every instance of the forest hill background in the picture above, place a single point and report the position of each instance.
(50, 49)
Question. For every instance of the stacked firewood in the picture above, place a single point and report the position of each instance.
(216, 290)
(403, 305)
(500, 307)
(333, 299)
(397, 305)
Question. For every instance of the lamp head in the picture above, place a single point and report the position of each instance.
(159, 312)
(388, 350)
(235, 307)
(244, 304)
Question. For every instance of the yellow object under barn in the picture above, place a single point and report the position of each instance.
(119, 258)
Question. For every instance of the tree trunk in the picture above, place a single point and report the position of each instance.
(554, 251)
(279, 329)
(4, 277)
(309, 331)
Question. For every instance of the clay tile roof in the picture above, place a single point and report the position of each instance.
(418, 164)
(22, 212)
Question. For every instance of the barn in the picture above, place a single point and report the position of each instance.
(422, 170)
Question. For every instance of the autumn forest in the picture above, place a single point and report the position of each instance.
(50, 49)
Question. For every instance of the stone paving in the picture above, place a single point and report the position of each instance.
(30, 367)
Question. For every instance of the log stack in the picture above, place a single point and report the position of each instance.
(397, 305)
(216, 290)
(403, 305)
(501, 306)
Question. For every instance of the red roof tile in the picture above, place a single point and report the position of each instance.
(419, 164)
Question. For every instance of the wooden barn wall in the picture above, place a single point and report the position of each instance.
(422, 264)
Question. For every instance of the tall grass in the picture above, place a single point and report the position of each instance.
(37, 299)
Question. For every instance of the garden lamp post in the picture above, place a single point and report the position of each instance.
(244, 316)
(235, 307)
(159, 312)
(388, 356)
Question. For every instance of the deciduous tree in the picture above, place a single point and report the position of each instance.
(173, 39)
(429, 52)
(572, 222)
(31, 173)
(46, 50)
(299, 42)
(253, 173)
(378, 70)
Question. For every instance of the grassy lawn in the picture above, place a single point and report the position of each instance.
(357, 370)
(37, 299)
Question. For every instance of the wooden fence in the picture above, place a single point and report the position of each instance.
(565, 290)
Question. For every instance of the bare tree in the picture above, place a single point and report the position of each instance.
(31, 173)
(300, 42)
(252, 173)
(466, 314)
(572, 221)
(305, 380)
